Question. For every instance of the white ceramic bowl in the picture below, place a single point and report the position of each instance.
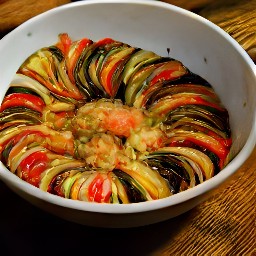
(203, 47)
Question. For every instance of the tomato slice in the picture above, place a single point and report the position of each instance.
(100, 189)
(32, 166)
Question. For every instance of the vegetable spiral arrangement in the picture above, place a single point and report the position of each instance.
(110, 123)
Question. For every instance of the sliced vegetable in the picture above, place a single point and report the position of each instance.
(26, 82)
(23, 99)
(149, 179)
(180, 137)
(167, 104)
(107, 122)
(31, 167)
(137, 60)
(111, 70)
(49, 174)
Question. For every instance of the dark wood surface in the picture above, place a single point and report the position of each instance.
(15, 12)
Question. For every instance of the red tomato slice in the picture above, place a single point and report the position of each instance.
(32, 167)
(100, 189)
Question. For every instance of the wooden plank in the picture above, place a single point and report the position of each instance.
(15, 12)
(224, 224)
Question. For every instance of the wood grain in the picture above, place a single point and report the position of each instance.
(238, 19)
(15, 12)
(190, 5)
(224, 224)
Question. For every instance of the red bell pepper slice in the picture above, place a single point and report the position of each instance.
(23, 100)
(64, 43)
(203, 141)
(104, 41)
(168, 71)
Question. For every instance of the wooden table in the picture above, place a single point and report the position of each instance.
(222, 225)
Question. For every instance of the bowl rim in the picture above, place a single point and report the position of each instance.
(179, 198)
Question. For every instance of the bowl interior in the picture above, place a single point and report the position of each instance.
(201, 46)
